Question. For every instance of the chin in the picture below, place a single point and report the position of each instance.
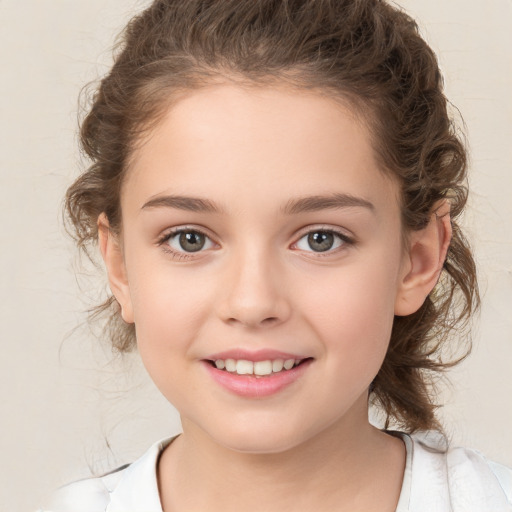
(259, 438)
(260, 445)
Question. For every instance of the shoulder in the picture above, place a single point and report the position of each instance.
(470, 466)
(88, 495)
(132, 485)
(460, 477)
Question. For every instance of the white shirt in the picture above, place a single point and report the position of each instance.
(436, 479)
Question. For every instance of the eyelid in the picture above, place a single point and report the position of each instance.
(169, 232)
(346, 239)
(343, 233)
(172, 232)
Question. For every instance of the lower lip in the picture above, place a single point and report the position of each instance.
(250, 386)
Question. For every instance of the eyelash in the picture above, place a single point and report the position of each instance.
(178, 255)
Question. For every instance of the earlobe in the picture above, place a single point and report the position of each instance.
(424, 261)
(114, 262)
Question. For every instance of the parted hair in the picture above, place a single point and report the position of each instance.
(367, 53)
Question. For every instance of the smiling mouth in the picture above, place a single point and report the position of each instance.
(257, 368)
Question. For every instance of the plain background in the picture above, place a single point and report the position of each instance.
(66, 406)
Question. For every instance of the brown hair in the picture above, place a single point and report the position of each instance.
(364, 51)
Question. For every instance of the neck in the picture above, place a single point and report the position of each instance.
(327, 472)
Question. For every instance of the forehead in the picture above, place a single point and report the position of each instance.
(226, 139)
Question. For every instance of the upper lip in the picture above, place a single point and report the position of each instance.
(255, 355)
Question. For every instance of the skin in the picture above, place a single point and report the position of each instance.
(258, 284)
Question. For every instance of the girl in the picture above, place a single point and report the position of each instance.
(275, 190)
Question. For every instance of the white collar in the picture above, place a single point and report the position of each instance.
(436, 479)
(138, 487)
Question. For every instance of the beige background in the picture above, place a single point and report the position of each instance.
(65, 405)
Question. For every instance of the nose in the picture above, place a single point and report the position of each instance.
(253, 293)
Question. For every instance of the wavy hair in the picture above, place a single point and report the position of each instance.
(366, 52)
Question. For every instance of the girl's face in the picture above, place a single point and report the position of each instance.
(257, 227)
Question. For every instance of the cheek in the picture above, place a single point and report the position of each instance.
(353, 309)
(166, 325)
(169, 308)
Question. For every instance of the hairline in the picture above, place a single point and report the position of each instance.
(293, 79)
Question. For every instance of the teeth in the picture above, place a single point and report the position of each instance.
(288, 364)
(244, 367)
(263, 368)
(260, 368)
(277, 365)
(230, 365)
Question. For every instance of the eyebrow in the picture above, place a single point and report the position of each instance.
(294, 206)
(191, 204)
(330, 202)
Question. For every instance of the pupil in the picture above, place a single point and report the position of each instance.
(191, 241)
(321, 241)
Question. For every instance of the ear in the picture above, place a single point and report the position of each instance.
(114, 261)
(424, 261)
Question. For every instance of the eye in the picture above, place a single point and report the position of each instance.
(186, 241)
(322, 240)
